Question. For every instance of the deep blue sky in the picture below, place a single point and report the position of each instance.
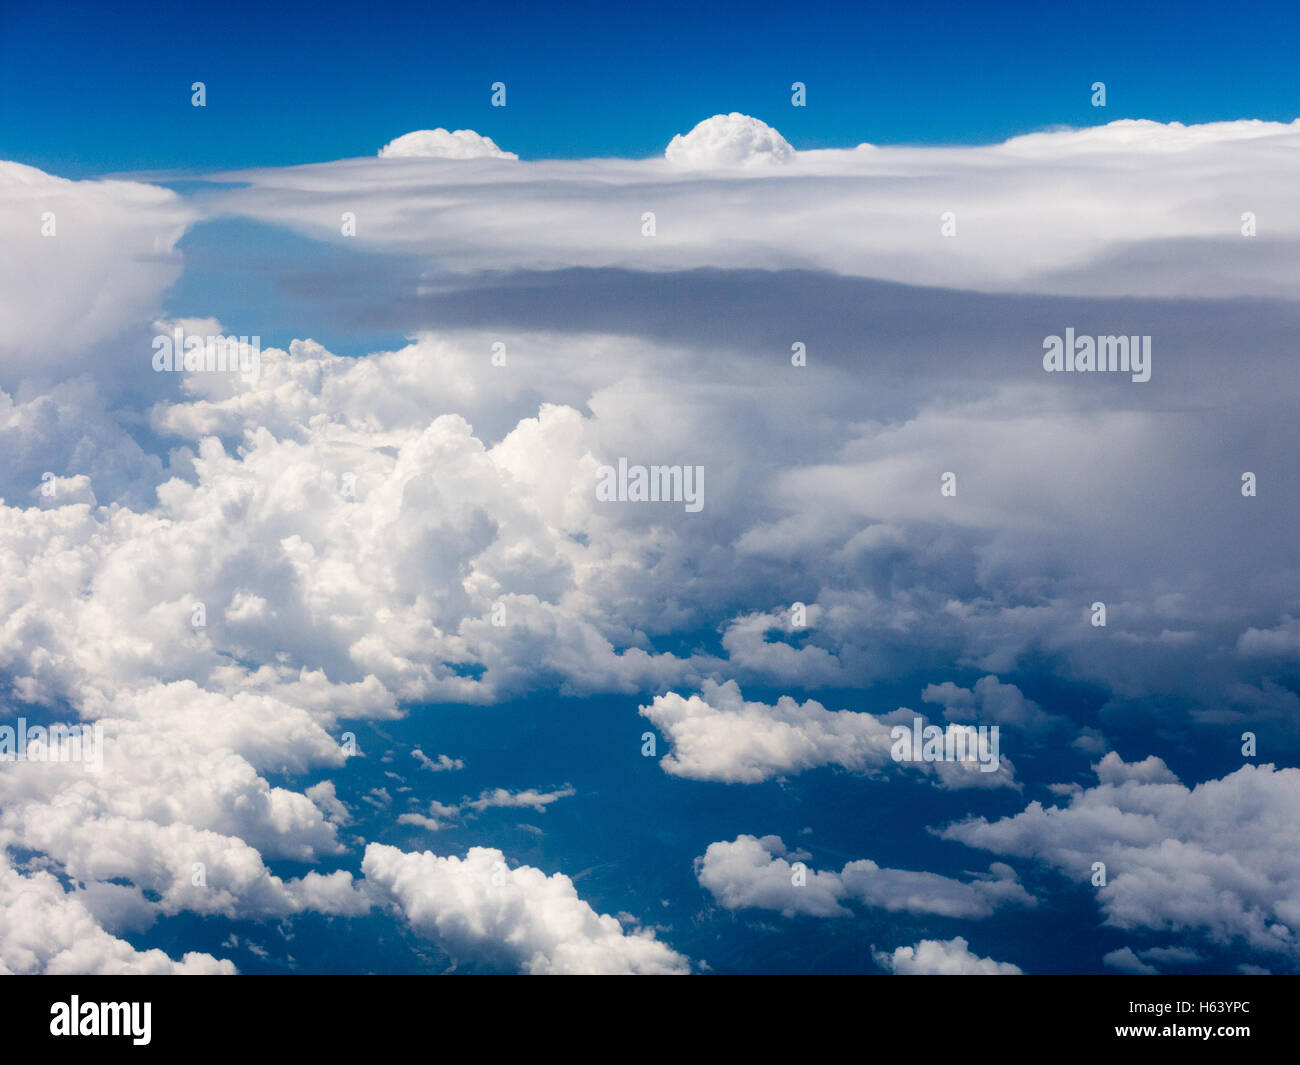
(89, 88)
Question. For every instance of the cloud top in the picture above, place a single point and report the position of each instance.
(733, 140)
(443, 144)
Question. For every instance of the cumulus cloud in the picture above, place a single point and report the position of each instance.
(1219, 859)
(733, 140)
(478, 908)
(1112, 769)
(443, 144)
(989, 702)
(750, 872)
(753, 873)
(942, 957)
(718, 735)
(44, 929)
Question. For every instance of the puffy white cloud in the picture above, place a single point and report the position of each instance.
(180, 809)
(1221, 859)
(1112, 769)
(718, 735)
(757, 873)
(443, 144)
(753, 873)
(478, 908)
(942, 957)
(325, 797)
(733, 140)
(44, 929)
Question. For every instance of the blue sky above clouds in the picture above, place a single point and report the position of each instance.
(411, 734)
(86, 89)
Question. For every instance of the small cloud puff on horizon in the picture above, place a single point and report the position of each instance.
(733, 140)
(723, 141)
(443, 144)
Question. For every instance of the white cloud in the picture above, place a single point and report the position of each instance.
(489, 798)
(530, 798)
(733, 140)
(325, 797)
(443, 144)
(44, 929)
(102, 274)
(1046, 213)
(718, 735)
(989, 702)
(752, 873)
(942, 957)
(1112, 769)
(442, 764)
(758, 873)
(477, 908)
(1221, 859)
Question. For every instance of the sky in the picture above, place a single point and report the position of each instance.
(393, 669)
(86, 89)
